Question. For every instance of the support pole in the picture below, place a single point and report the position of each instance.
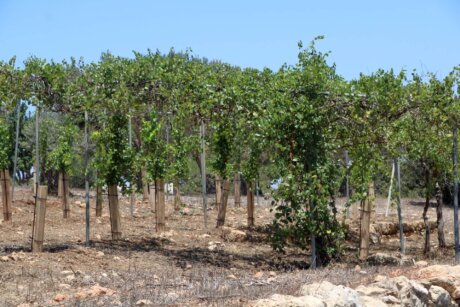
(65, 194)
(40, 213)
(257, 192)
(115, 221)
(203, 174)
(218, 192)
(366, 207)
(237, 189)
(390, 189)
(16, 149)
(347, 183)
(454, 172)
(398, 199)
(37, 172)
(98, 200)
(87, 181)
(223, 206)
(6, 194)
(250, 205)
(132, 195)
(152, 196)
(145, 185)
(160, 205)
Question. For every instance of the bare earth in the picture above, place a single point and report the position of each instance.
(188, 265)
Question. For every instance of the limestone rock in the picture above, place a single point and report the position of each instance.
(277, 300)
(233, 235)
(370, 301)
(144, 303)
(383, 259)
(332, 295)
(439, 296)
(372, 290)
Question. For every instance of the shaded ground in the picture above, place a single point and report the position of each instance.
(187, 265)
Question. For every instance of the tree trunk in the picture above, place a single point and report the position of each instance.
(237, 188)
(160, 205)
(439, 218)
(38, 233)
(427, 247)
(65, 195)
(177, 201)
(366, 207)
(115, 221)
(6, 194)
(250, 205)
(223, 206)
(145, 185)
(218, 191)
(99, 200)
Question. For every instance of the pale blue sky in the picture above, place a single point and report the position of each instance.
(362, 35)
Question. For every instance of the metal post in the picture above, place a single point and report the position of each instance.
(16, 148)
(454, 173)
(347, 188)
(37, 170)
(87, 181)
(203, 174)
(37, 149)
(398, 198)
(130, 139)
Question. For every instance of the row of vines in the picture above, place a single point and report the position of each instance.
(139, 121)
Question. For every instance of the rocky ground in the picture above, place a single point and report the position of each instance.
(193, 265)
(437, 285)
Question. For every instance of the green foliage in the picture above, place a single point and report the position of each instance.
(62, 156)
(114, 158)
(301, 129)
(4, 145)
(154, 152)
(292, 125)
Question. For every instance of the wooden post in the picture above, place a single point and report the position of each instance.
(152, 196)
(99, 200)
(145, 185)
(250, 205)
(366, 207)
(455, 199)
(218, 191)
(39, 225)
(398, 199)
(177, 201)
(115, 222)
(60, 186)
(237, 188)
(223, 206)
(6, 194)
(160, 205)
(65, 195)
